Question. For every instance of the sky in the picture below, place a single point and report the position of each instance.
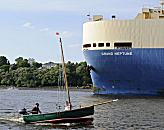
(28, 27)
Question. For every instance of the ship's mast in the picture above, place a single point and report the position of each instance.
(64, 69)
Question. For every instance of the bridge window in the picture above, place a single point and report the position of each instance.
(123, 45)
(94, 44)
(86, 45)
(107, 44)
(101, 44)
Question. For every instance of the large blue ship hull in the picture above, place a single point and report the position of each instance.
(127, 71)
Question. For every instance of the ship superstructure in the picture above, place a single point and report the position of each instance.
(126, 56)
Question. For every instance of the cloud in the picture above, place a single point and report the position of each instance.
(64, 34)
(28, 25)
(32, 26)
(44, 30)
(67, 5)
(67, 34)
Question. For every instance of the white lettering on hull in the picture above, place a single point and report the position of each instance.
(116, 53)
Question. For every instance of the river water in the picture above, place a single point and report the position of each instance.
(125, 114)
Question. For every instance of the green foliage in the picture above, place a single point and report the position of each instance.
(22, 74)
(4, 61)
(20, 62)
(83, 74)
(36, 65)
(5, 67)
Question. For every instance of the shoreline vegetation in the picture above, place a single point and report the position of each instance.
(31, 74)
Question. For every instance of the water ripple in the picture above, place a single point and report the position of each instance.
(125, 114)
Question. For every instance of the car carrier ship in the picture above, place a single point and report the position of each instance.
(126, 57)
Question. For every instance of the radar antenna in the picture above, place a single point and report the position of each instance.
(89, 16)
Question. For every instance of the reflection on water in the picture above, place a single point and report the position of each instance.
(141, 113)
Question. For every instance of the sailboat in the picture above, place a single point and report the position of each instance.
(69, 116)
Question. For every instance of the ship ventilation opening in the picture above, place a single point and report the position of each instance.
(86, 45)
(123, 45)
(113, 17)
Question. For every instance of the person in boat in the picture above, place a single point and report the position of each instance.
(23, 111)
(68, 106)
(35, 109)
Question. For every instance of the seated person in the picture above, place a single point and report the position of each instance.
(68, 106)
(36, 109)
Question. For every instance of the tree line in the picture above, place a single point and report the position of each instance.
(25, 74)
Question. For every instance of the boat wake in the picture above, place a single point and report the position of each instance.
(12, 119)
(18, 122)
(66, 125)
(10, 115)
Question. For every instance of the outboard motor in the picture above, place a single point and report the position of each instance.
(23, 111)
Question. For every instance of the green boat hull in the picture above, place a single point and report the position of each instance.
(82, 112)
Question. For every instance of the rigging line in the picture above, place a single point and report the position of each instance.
(61, 78)
(58, 84)
(64, 89)
(65, 75)
(60, 71)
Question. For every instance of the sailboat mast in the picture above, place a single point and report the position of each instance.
(65, 74)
